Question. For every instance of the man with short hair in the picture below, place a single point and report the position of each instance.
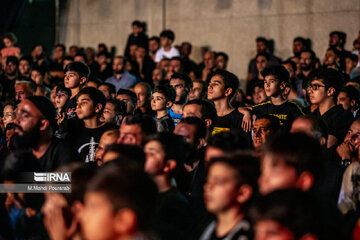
(299, 45)
(264, 127)
(185, 51)
(7, 79)
(198, 91)
(108, 90)
(24, 89)
(129, 97)
(167, 38)
(143, 95)
(202, 109)
(121, 78)
(209, 65)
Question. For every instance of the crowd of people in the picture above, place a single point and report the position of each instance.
(160, 147)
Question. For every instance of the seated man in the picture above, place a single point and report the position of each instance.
(264, 127)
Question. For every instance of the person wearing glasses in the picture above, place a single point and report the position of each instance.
(323, 90)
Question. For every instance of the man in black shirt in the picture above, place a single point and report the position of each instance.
(34, 128)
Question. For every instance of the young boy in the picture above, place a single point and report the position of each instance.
(61, 98)
(119, 204)
(85, 135)
(230, 184)
(162, 99)
(324, 87)
(276, 80)
(165, 155)
(166, 51)
(76, 74)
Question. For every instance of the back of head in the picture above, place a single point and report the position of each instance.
(128, 155)
(80, 68)
(146, 123)
(229, 141)
(279, 72)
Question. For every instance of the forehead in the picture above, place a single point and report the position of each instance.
(355, 126)
(261, 58)
(83, 97)
(192, 108)
(342, 95)
(262, 122)
(221, 169)
(305, 55)
(157, 94)
(271, 77)
(130, 128)
(140, 88)
(153, 144)
(20, 87)
(184, 129)
(175, 81)
(317, 81)
(118, 60)
(103, 87)
(123, 97)
(217, 78)
(197, 85)
(110, 106)
(27, 105)
(8, 108)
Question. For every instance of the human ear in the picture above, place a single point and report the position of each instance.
(228, 92)
(305, 181)
(208, 122)
(169, 165)
(244, 193)
(125, 221)
(169, 104)
(331, 91)
(44, 124)
(98, 107)
(82, 80)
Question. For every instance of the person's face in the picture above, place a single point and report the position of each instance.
(216, 88)
(79, 59)
(260, 46)
(127, 99)
(7, 42)
(60, 99)
(8, 115)
(132, 50)
(220, 189)
(302, 125)
(90, 54)
(305, 61)
(220, 62)
(165, 65)
(261, 63)
(179, 86)
(212, 152)
(275, 177)
(21, 92)
(155, 158)
(209, 60)
(187, 131)
(290, 70)
(108, 115)
(59, 53)
(185, 50)
(192, 110)
(38, 51)
(10, 68)
(334, 40)
(141, 95)
(66, 62)
(102, 60)
(271, 86)
(272, 230)
(27, 117)
(330, 58)
(135, 29)
(153, 46)
(98, 217)
(258, 95)
(85, 107)
(158, 101)
(353, 134)
(140, 52)
(24, 67)
(345, 101)
(165, 42)
(105, 90)
(349, 65)
(118, 65)
(156, 76)
(105, 141)
(71, 79)
(297, 47)
(261, 131)
(175, 66)
(317, 92)
(130, 134)
(73, 51)
(196, 91)
(36, 77)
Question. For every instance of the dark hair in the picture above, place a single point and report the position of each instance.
(26, 58)
(229, 141)
(79, 54)
(168, 34)
(39, 69)
(61, 88)
(12, 59)
(318, 126)
(155, 38)
(331, 79)
(167, 90)
(62, 46)
(289, 148)
(352, 56)
(80, 68)
(69, 58)
(279, 72)
(274, 122)
(120, 106)
(200, 127)
(222, 54)
(208, 110)
(352, 93)
(312, 54)
(126, 187)
(341, 35)
(95, 80)
(132, 155)
(147, 86)
(146, 123)
(291, 208)
(293, 65)
(137, 23)
(128, 92)
(253, 84)
(11, 36)
(262, 39)
(111, 87)
(336, 52)
(103, 53)
(103, 45)
(184, 77)
(187, 43)
(230, 80)
(264, 54)
(95, 95)
(302, 40)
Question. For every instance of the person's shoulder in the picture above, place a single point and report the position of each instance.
(296, 106)
(109, 79)
(175, 51)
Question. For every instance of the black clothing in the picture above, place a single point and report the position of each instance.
(165, 124)
(189, 65)
(147, 69)
(106, 73)
(8, 87)
(241, 231)
(141, 40)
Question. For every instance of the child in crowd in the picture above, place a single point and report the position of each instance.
(9, 39)
(161, 101)
(61, 98)
(167, 38)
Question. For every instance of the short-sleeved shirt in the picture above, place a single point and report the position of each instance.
(161, 53)
(338, 121)
(126, 81)
(286, 112)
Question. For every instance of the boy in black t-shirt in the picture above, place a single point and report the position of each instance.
(161, 101)
(276, 80)
(85, 135)
(230, 184)
(222, 87)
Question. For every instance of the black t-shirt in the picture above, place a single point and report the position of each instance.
(165, 124)
(85, 140)
(241, 231)
(286, 112)
(70, 107)
(338, 121)
(57, 154)
(231, 121)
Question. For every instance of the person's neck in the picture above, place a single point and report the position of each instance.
(118, 75)
(92, 122)
(163, 182)
(74, 91)
(223, 107)
(278, 100)
(177, 108)
(306, 72)
(326, 105)
(40, 149)
(161, 113)
(167, 48)
(227, 220)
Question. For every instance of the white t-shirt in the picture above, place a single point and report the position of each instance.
(160, 54)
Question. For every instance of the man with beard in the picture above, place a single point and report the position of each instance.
(7, 80)
(34, 128)
(307, 59)
(121, 79)
(182, 84)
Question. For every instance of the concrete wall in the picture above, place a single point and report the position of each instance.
(224, 25)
